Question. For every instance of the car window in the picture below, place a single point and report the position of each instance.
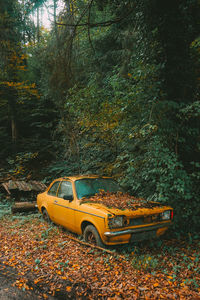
(90, 186)
(65, 189)
(53, 190)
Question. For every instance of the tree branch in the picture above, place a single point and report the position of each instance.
(102, 24)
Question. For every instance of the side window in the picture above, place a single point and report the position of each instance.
(53, 189)
(65, 189)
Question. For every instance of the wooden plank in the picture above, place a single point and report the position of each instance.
(23, 207)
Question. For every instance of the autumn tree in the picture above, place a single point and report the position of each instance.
(22, 107)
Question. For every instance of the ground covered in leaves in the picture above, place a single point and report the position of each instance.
(49, 260)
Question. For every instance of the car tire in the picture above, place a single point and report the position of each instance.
(92, 236)
(46, 216)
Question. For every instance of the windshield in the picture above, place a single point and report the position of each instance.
(88, 187)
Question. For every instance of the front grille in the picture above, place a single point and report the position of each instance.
(141, 236)
(144, 220)
(136, 221)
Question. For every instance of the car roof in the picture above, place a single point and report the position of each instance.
(76, 177)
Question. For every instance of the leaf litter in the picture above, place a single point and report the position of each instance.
(56, 265)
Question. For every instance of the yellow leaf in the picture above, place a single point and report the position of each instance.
(156, 284)
(36, 281)
(68, 288)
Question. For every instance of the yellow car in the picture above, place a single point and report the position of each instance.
(98, 208)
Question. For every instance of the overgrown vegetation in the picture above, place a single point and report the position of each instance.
(113, 90)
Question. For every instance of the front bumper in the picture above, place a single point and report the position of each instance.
(136, 230)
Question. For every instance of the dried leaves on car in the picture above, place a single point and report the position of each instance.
(119, 200)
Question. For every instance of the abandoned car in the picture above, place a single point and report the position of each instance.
(98, 208)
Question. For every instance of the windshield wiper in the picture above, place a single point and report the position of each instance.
(88, 195)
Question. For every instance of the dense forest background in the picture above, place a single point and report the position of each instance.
(113, 88)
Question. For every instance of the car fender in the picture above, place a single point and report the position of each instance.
(98, 224)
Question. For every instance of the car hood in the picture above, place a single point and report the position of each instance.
(147, 208)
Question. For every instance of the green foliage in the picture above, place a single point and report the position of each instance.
(5, 208)
(145, 262)
(133, 112)
(118, 97)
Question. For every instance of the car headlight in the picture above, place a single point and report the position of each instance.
(166, 215)
(117, 221)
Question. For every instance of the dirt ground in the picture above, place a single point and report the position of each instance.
(8, 290)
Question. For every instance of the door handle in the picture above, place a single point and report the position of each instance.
(55, 201)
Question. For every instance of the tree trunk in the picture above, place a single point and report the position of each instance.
(67, 4)
(38, 24)
(14, 131)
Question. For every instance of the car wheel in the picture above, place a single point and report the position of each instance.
(91, 236)
(46, 216)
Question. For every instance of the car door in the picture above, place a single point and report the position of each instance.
(50, 198)
(64, 203)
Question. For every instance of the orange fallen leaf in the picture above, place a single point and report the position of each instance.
(156, 284)
(68, 288)
(59, 272)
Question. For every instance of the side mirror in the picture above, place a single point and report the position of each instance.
(70, 198)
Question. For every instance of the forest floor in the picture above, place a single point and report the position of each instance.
(44, 261)
(8, 290)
